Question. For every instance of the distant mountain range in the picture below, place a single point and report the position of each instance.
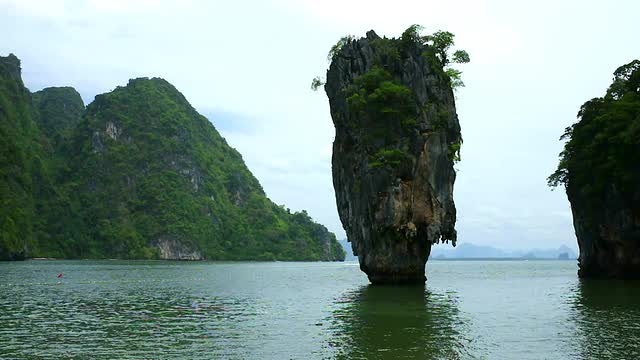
(472, 251)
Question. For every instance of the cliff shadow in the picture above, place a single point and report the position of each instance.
(397, 322)
(607, 314)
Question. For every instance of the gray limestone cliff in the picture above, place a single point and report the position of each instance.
(608, 236)
(397, 137)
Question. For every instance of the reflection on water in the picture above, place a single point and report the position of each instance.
(608, 319)
(384, 322)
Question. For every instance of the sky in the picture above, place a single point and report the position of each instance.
(248, 65)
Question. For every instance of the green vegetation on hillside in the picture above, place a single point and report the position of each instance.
(58, 111)
(136, 171)
(161, 170)
(18, 149)
(602, 147)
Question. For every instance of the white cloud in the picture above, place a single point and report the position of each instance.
(58, 9)
(35, 8)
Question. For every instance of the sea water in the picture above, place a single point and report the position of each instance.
(277, 310)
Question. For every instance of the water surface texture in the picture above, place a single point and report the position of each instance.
(467, 310)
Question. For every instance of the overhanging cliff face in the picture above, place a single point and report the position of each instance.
(397, 135)
(608, 234)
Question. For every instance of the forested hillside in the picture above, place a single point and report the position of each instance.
(138, 174)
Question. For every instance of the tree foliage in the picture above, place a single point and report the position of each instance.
(316, 83)
(335, 49)
(387, 157)
(438, 47)
(381, 97)
(602, 147)
(440, 44)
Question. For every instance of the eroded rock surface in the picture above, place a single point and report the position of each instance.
(609, 235)
(174, 249)
(397, 135)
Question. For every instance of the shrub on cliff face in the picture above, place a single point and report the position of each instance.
(387, 157)
(381, 98)
(385, 107)
(454, 152)
(438, 45)
(602, 147)
(335, 49)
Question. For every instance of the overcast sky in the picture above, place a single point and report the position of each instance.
(247, 66)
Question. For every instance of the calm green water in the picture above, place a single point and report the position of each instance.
(467, 310)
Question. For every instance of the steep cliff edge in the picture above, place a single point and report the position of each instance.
(600, 169)
(18, 154)
(397, 137)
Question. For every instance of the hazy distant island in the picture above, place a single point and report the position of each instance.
(397, 139)
(600, 168)
(470, 251)
(346, 245)
(137, 174)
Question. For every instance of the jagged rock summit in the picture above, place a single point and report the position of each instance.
(397, 138)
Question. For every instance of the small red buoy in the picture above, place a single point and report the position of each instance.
(59, 275)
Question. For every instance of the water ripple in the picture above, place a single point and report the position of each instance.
(468, 310)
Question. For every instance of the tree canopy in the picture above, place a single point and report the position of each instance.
(602, 147)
